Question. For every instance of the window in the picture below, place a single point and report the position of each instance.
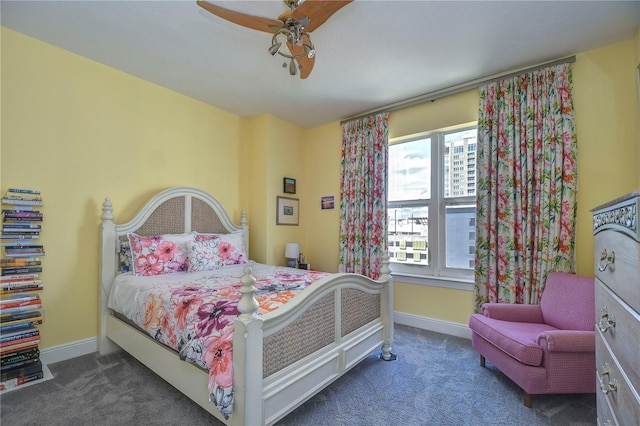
(432, 208)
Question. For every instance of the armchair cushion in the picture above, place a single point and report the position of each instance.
(568, 302)
(517, 339)
(512, 312)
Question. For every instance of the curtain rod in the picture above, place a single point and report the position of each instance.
(452, 90)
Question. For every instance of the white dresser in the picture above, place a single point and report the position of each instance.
(617, 256)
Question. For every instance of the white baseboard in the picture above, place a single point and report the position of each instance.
(69, 350)
(432, 324)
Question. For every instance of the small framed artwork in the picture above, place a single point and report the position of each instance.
(289, 186)
(288, 211)
(327, 202)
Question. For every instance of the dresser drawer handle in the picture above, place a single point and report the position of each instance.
(606, 259)
(612, 385)
(606, 322)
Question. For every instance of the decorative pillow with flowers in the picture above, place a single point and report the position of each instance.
(230, 248)
(203, 253)
(159, 254)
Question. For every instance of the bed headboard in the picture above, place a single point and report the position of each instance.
(173, 211)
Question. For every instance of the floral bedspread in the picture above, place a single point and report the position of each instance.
(193, 313)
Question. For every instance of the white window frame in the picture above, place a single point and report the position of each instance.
(436, 273)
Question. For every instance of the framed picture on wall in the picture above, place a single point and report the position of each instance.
(327, 203)
(288, 211)
(289, 186)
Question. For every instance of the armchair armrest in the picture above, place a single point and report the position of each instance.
(567, 341)
(513, 312)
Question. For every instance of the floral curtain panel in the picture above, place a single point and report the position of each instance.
(526, 185)
(363, 195)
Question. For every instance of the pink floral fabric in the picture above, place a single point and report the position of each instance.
(194, 314)
(363, 195)
(526, 185)
(160, 254)
(231, 249)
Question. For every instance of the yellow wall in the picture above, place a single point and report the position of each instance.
(606, 107)
(322, 152)
(80, 131)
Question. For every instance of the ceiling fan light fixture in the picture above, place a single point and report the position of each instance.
(309, 51)
(275, 48)
(293, 69)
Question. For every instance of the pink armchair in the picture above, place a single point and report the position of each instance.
(547, 348)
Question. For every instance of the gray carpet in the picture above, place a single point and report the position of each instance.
(437, 380)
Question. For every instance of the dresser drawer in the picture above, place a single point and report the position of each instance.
(623, 400)
(616, 257)
(621, 326)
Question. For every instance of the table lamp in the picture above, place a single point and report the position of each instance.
(291, 252)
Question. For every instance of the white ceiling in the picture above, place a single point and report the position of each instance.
(370, 53)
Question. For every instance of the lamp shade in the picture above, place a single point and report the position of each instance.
(292, 250)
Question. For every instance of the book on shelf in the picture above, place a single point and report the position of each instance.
(24, 191)
(29, 287)
(14, 356)
(20, 324)
(18, 343)
(19, 334)
(27, 226)
(14, 244)
(16, 236)
(23, 247)
(18, 381)
(19, 277)
(22, 197)
(22, 254)
(21, 371)
(19, 261)
(22, 202)
(20, 270)
(18, 298)
(18, 364)
(19, 194)
(20, 283)
(18, 347)
(11, 215)
(21, 219)
(20, 320)
(36, 304)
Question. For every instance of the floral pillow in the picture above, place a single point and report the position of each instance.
(230, 248)
(203, 253)
(124, 256)
(159, 254)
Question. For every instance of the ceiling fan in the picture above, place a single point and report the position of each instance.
(291, 28)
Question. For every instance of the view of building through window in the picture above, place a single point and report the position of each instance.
(425, 173)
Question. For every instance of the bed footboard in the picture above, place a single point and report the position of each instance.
(304, 346)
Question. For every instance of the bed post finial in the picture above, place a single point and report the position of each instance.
(107, 210)
(385, 269)
(248, 305)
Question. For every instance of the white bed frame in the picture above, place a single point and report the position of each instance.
(258, 400)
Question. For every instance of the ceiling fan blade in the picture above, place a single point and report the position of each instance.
(304, 61)
(318, 11)
(249, 21)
